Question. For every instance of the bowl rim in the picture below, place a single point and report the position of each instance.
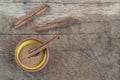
(31, 70)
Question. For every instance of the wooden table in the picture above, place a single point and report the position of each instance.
(86, 51)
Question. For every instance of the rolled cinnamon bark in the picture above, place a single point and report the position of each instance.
(42, 47)
(67, 22)
(25, 19)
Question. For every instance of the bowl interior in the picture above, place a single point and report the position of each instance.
(25, 43)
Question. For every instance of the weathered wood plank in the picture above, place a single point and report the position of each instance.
(86, 13)
(66, 62)
(4, 25)
(112, 28)
(19, 9)
(60, 1)
(108, 51)
(27, 1)
(110, 0)
(80, 1)
(89, 1)
(115, 29)
(91, 56)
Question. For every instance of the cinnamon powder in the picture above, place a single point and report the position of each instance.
(30, 61)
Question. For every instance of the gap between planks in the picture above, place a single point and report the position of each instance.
(6, 34)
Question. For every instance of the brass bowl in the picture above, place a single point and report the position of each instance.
(24, 43)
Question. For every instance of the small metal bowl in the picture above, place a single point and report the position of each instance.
(21, 45)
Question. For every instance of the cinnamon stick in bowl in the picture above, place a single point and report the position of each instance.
(69, 21)
(42, 47)
(25, 19)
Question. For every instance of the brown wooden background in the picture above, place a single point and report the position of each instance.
(86, 51)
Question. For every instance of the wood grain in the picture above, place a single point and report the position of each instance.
(60, 1)
(102, 13)
(86, 51)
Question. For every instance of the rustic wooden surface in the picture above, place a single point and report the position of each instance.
(88, 50)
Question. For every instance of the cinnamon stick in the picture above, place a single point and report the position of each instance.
(25, 19)
(43, 46)
(67, 22)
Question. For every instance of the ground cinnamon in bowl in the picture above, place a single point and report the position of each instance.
(30, 61)
(35, 62)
